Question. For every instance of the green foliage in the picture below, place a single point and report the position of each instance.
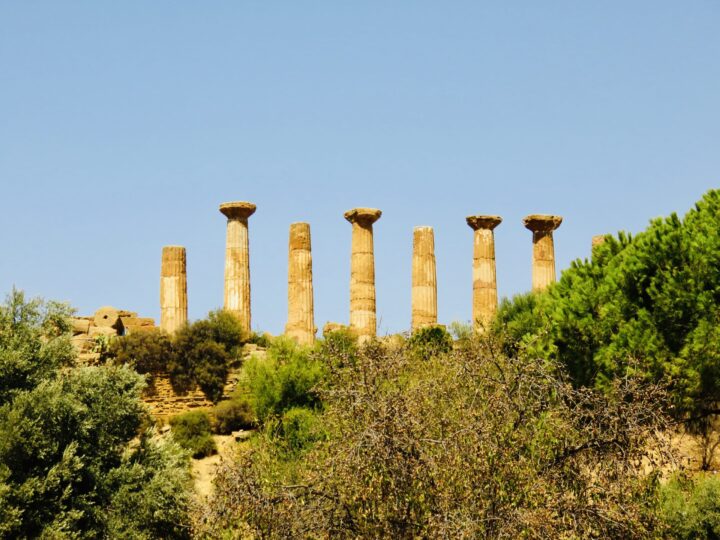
(192, 430)
(339, 346)
(204, 352)
(34, 343)
(648, 305)
(62, 447)
(430, 341)
(461, 331)
(466, 444)
(261, 339)
(691, 508)
(67, 465)
(298, 429)
(147, 353)
(151, 493)
(288, 377)
(233, 414)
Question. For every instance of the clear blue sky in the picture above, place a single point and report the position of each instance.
(123, 125)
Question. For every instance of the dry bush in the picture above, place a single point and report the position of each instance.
(466, 445)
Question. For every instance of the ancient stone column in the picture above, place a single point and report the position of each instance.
(363, 319)
(301, 321)
(543, 262)
(424, 278)
(485, 297)
(237, 260)
(173, 289)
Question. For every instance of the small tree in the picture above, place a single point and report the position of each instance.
(66, 463)
(204, 352)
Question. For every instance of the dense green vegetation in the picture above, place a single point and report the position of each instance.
(233, 414)
(469, 443)
(76, 457)
(691, 509)
(287, 378)
(647, 305)
(193, 431)
(199, 355)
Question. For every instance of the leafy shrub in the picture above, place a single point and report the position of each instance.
(146, 352)
(339, 346)
(286, 378)
(192, 431)
(299, 428)
(430, 341)
(205, 350)
(232, 415)
(198, 355)
(461, 331)
(261, 339)
(34, 342)
(151, 492)
(691, 508)
(67, 468)
(469, 444)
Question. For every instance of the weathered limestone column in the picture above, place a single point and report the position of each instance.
(424, 278)
(173, 289)
(237, 260)
(485, 297)
(301, 321)
(543, 265)
(363, 319)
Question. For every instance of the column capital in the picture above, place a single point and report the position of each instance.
(237, 209)
(363, 216)
(542, 223)
(483, 222)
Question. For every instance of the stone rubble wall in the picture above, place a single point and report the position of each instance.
(164, 402)
(106, 321)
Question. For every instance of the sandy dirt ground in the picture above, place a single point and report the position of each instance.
(203, 470)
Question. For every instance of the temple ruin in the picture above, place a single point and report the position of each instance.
(300, 324)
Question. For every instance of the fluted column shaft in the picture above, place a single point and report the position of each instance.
(424, 278)
(485, 296)
(543, 261)
(301, 321)
(543, 267)
(173, 289)
(237, 261)
(363, 319)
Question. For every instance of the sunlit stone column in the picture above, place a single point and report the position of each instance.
(363, 319)
(485, 297)
(237, 260)
(543, 262)
(173, 289)
(424, 278)
(301, 321)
